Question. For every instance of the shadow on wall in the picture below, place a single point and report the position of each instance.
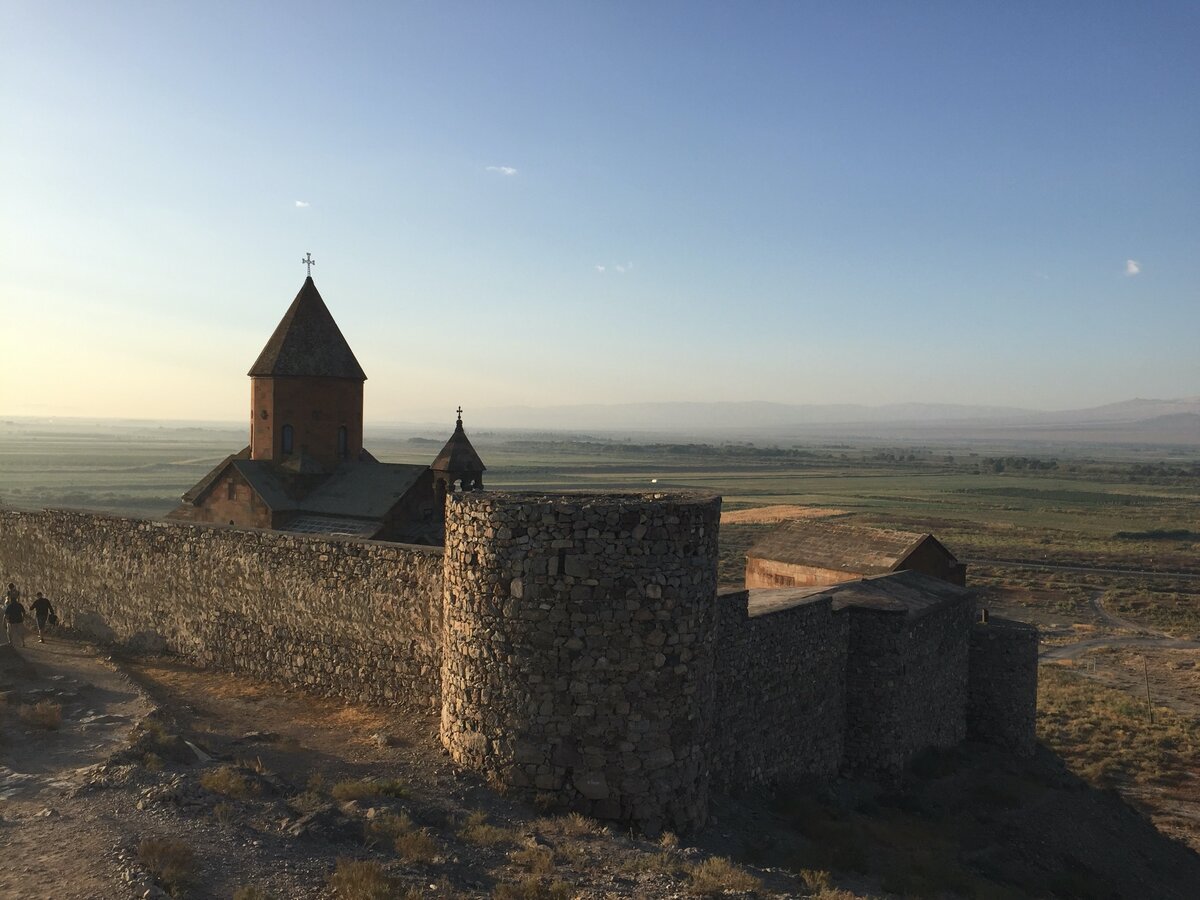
(94, 626)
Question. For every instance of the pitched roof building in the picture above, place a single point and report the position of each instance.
(305, 468)
(819, 552)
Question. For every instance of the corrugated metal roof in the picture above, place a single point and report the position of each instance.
(850, 548)
(308, 342)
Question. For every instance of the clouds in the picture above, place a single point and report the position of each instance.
(1132, 267)
(506, 171)
(302, 204)
(619, 268)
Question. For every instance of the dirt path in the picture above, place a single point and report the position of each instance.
(56, 845)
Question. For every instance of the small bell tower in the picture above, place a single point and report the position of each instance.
(458, 467)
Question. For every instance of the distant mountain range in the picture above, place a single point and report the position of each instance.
(1156, 421)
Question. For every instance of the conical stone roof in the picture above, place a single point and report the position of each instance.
(307, 342)
(458, 455)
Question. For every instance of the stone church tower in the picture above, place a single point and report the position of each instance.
(305, 469)
(307, 390)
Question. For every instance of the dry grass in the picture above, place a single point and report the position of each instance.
(229, 782)
(536, 859)
(717, 875)
(533, 887)
(1105, 735)
(411, 843)
(152, 761)
(170, 861)
(225, 813)
(665, 864)
(362, 880)
(363, 789)
(571, 825)
(252, 892)
(44, 714)
(476, 830)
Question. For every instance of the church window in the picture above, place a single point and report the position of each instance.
(230, 490)
(286, 439)
(343, 447)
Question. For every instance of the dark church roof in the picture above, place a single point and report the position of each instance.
(912, 594)
(850, 548)
(458, 455)
(363, 490)
(307, 342)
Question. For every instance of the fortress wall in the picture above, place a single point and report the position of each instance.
(780, 692)
(906, 685)
(356, 619)
(1002, 690)
(579, 649)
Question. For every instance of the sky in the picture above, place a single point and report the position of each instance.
(566, 202)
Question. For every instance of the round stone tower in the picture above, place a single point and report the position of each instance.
(578, 649)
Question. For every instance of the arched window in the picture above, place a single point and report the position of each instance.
(287, 439)
(343, 442)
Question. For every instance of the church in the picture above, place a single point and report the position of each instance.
(306, 469)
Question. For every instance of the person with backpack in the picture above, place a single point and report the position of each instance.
(14, 615)
(43, 613)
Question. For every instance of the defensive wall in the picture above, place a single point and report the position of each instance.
(356, 619)
(575, 645)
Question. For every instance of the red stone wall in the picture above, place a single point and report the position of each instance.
(233, 502)
(315, 408)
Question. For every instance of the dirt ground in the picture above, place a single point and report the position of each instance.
(267, 787)
(768, 515)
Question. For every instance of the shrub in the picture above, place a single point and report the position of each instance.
(531, 887)
(45, 714)
(362, 880)
(571, 825)
(152, 761)
(476, 830)
(170, 861)
(229, 782)
(717, 874)
(361, 789)
(538, 860)
(413, 844)
(225, 813)
(251, 892)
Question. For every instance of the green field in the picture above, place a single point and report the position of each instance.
(1071, 509)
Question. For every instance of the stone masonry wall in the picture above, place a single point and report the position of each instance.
(781, 680)
(357, 619)
(579, 649)
(906, 685)
(1002, 698)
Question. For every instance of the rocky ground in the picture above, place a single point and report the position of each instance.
(158, 778)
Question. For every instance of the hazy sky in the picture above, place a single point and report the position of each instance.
(542, 203)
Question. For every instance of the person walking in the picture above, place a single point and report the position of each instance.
(14, 615)
(43, 613)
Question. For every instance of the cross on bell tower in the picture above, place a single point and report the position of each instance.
(310, 262)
